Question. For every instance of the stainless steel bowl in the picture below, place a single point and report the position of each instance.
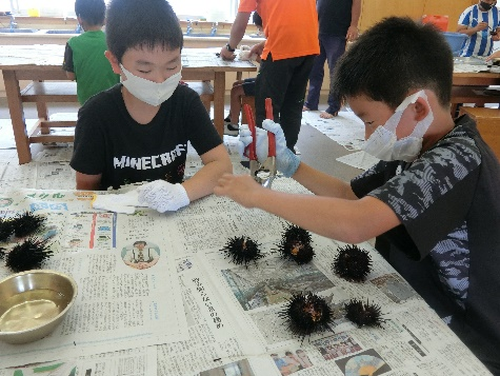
(33, 303)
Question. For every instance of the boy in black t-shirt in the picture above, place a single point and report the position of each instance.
(139, 130)
(431, 202)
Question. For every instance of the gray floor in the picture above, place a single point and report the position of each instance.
(320, 152)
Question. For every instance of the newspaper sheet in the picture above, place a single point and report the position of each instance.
(413, 340)
(120, 301)
(215, 317)
(131, 362)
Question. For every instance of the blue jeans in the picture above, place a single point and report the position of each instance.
(331, 49)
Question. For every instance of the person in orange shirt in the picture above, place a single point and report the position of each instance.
(287, 56)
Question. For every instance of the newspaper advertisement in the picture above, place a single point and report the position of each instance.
(133, 362)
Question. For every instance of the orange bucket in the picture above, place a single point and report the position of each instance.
(441, 22)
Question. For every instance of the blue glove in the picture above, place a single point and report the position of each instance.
(163, 196)
(286, 161)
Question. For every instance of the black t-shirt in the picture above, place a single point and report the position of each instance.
(448, 246)
(334, 17)
(109, 142)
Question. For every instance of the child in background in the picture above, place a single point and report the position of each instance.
(431, 202)
(140, 129)
(84, 59)
(240, 88)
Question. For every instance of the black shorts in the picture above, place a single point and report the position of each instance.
(249, 86)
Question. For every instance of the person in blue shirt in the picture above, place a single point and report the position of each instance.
(480, 23)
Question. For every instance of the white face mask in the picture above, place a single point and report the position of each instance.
(148, 91)
(383, 143)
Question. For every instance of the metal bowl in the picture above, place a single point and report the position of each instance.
(33, 303)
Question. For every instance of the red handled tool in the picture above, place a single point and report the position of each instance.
(264, 173)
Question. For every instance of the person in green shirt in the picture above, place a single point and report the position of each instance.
(84, 59)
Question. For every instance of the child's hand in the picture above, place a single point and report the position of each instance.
(241, 188)
(163, 196)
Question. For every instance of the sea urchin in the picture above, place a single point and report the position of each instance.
(363, 314)
(296, 245)
(26, 223)
(6, 229)
(27, 255)
(242, 250)
(307, 314)
(352, 263)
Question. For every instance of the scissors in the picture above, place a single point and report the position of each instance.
(263, 173)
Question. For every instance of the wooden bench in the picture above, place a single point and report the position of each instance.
(205, 90)
(479, 95)
(41, 93)
(488, 124)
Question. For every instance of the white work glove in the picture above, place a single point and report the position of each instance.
(244, 139)
(118, 203)
(163, 196)
(286, 161)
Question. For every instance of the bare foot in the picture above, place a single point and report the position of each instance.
(327, 115)
(305, 108)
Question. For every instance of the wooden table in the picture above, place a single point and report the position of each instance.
(476, 79)
(471, 87)
(203, 64)
(43, 63)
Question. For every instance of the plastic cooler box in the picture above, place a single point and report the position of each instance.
(456, 41)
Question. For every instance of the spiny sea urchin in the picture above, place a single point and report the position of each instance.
(363, 314)
(296, 245)
(26, 223)
(27, 255)
(352, 263)
(242, 250)
(6, 229)
(306, 314)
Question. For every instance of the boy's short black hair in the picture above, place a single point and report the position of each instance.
(393, 57)
(257, 20)
(143, 24)
(92, 12)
